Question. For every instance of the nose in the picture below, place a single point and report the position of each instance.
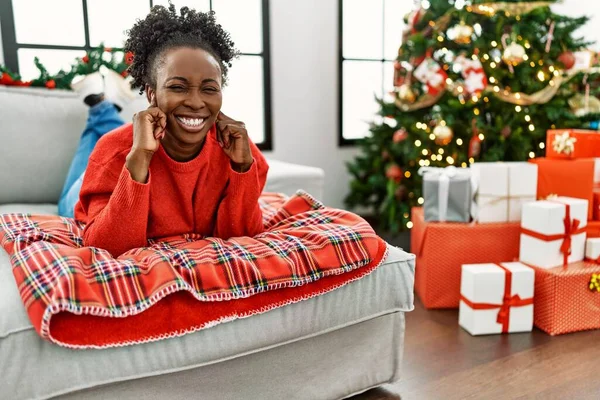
(194, 100)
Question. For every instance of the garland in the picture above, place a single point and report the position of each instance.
(111, 58)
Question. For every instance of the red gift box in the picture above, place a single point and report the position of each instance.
(443, 247)
(572, 143)
(564, 301)
(569, 178)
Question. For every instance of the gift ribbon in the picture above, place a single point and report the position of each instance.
(443, 175)
(571, 228)
(508, 301)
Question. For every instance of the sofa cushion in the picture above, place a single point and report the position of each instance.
(42, 128)
(33, 368)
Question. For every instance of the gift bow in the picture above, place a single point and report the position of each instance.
(564, 143)
(443, 175)
(508, 301)
(571, 228)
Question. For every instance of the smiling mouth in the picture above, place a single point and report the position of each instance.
(192, 125)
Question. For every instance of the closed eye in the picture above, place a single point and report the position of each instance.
(177, 88)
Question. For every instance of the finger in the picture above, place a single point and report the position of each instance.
(222, 117)
(225, 136)
(157, 117)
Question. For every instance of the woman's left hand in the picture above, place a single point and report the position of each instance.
(233, 138)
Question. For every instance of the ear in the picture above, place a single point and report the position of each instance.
(150, 93)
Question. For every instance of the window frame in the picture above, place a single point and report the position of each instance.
(342, 141)
(11, 47)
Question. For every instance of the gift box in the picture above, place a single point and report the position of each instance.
(572, 143)
(553, 232)
(567, 298)
(447, 193)
(570, 178)
(593, 229)
(596, 205)
(502, 189)
(597, 172)
(443, 247)
(592, 249)
(496, 298)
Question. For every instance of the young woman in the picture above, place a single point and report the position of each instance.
(182, 166)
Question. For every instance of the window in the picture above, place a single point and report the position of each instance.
(59, 32)
(370, 35)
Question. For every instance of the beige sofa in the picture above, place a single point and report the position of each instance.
(328, 347)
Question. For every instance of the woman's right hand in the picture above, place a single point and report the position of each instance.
(149, 128)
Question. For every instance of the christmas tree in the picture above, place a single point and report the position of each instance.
(474, 81)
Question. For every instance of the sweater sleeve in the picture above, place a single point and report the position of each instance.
(115, 209)
(239, 213)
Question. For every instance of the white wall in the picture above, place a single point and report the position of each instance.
(304, 71)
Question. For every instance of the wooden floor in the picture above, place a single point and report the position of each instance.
(442, 361)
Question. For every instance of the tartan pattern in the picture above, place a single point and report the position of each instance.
(303, 243)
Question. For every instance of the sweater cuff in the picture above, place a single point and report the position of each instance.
(239, 181)
(130, 192)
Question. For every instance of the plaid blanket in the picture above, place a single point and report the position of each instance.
(82, 297)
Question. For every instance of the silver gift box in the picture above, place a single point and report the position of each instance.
(448, 194)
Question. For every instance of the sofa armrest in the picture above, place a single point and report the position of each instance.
(287, 178)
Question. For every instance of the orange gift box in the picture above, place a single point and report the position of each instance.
(570, 178)
(563, 301)
(586, 144)
(443, 247)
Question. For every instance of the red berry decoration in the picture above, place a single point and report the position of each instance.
(108, 49)
(400, 135)
(129, 58)
(51, 84)
(85, 59)
(394, 172)
(567, 59)
(6, 79)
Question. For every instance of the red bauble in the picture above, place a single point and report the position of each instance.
(51, 84)
(400, 135)
(6, 79)
(124, 73)
(394, 173)
(85, 59)
(567, 59)
(129, 58)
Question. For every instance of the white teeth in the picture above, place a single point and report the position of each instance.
(191, 121)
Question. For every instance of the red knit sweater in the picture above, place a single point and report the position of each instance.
(204, 195)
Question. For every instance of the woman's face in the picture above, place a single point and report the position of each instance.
(188, 91)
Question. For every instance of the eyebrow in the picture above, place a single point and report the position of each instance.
(181, 78)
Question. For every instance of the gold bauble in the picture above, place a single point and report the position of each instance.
(406, 94)
(461, 33)
(580, 108)
(514, 54)
(443, 134)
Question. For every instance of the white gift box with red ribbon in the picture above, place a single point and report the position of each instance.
(553, 232)
(496, 298)
(592, 249)
(502, 189)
